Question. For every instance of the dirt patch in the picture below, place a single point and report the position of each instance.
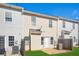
(54, 51)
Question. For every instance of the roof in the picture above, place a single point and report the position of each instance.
(69, 20)
(13, 7)
(8, 6)
(39, 15)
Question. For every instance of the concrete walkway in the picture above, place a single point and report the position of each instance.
(16, 54)
(2, 55)
(12, 54)
(54, 51)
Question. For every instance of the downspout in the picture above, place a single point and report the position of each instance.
(24, 27)
(57, 28)
(29, 33)
(57, 32)
(78, 33)
(29, 41)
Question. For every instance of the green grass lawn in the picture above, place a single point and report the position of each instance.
(35, 53)
(74, 52)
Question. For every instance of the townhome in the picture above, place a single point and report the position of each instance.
(42, 30)
(24, 30)
(11, 28)
(68, 29)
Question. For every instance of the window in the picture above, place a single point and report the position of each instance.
(74, 39)
(51, 40)
(64, 24)
(73, 25)
(50, 23)
(8, 16)
(33, 20)
(2, 41)
(11, 40)
(42, 40)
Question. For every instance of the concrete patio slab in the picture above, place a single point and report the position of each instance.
(54, 51)
(2, 55)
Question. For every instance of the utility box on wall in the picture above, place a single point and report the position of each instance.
(15, 49)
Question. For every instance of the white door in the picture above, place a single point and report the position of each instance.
(46, 42)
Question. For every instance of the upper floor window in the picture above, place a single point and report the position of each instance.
(8, 16)
(33, 20)
(50, 23)
(73, 25)
(64, 24)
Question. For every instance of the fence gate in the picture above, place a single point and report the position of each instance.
(66, 43)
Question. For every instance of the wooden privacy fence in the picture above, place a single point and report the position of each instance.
(78, 42)
(22, 49)
(23, 43)
(66, 44)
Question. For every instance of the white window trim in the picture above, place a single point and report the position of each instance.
(51, 23)
(11, 41)
(5, 17)
(32, 23)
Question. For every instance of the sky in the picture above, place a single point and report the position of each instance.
(66, 10)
